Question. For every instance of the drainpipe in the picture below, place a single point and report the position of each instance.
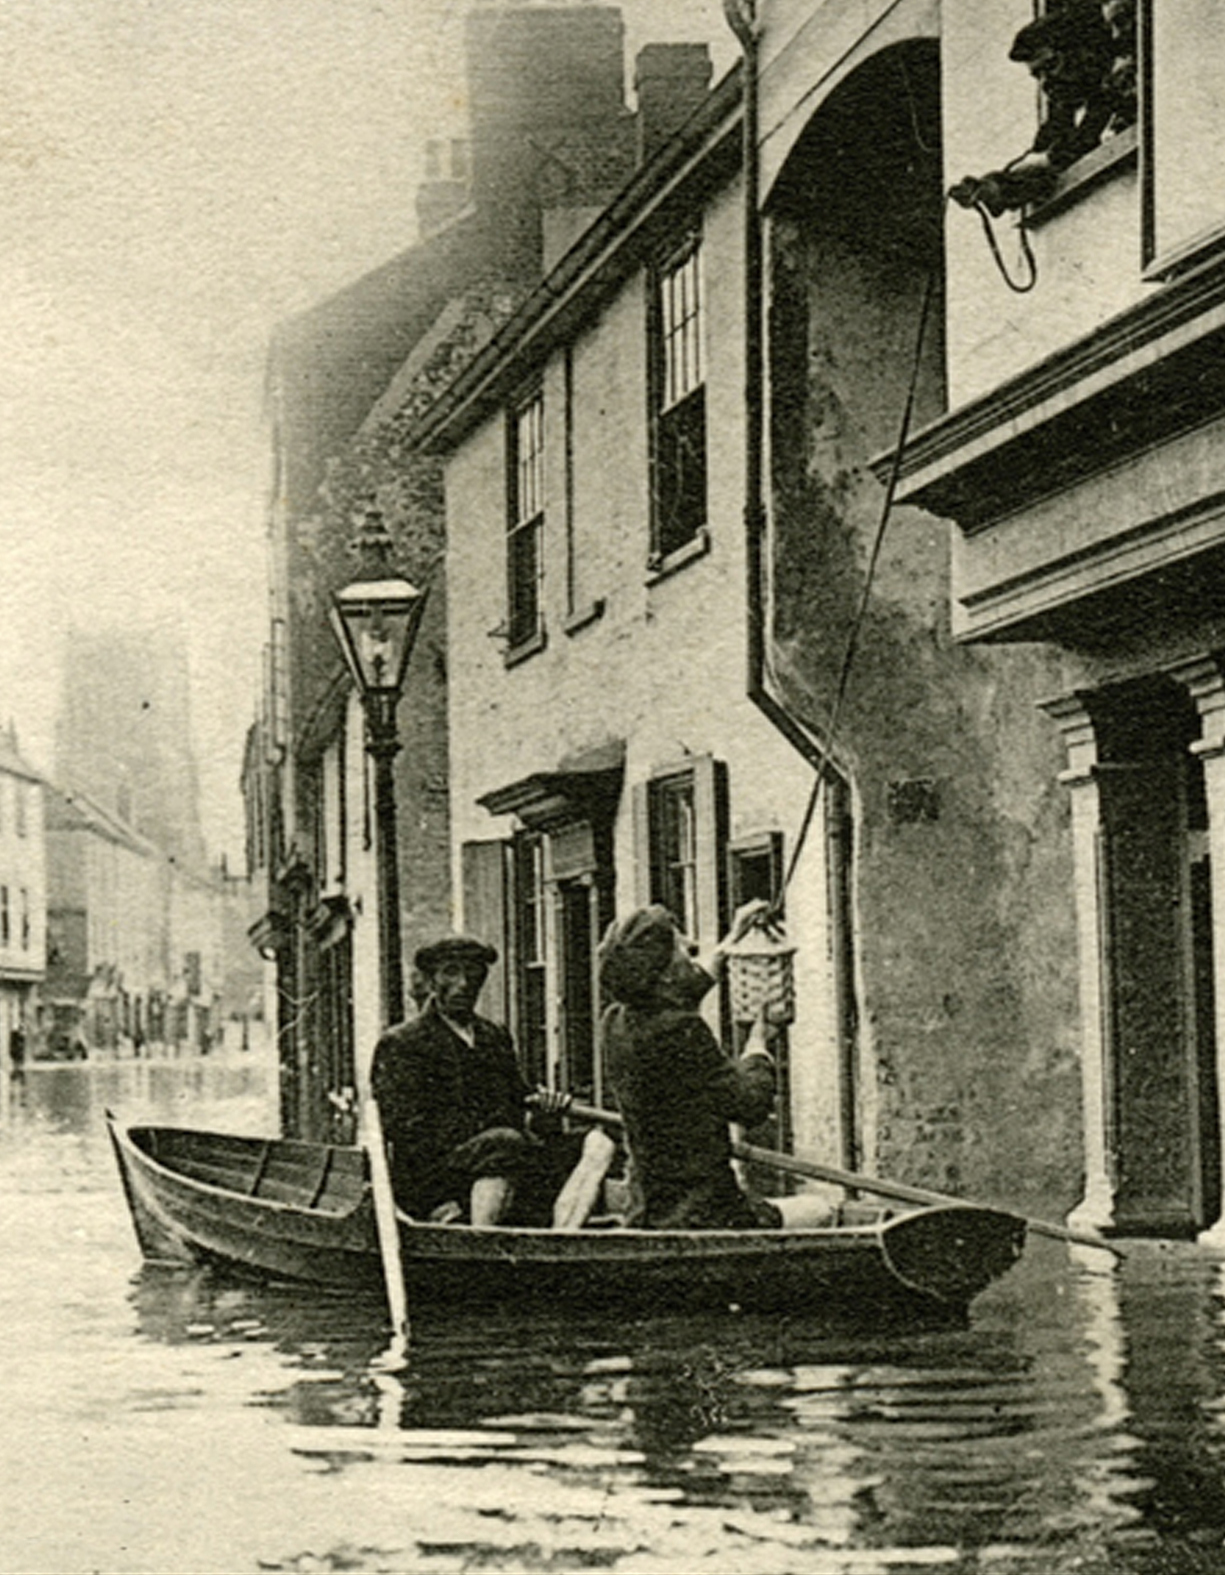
(740, 17)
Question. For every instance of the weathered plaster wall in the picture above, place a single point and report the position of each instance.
(964, 920)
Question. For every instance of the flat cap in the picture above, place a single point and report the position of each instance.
(465, 948)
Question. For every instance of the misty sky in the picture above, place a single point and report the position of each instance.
(176, 176)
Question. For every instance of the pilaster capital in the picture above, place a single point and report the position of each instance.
(1203, 677)
(1070, 714)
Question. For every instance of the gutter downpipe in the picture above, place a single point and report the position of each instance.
(740, 17)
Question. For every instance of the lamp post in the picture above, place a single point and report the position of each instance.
(376, 619)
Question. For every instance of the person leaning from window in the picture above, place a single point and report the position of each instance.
(675, 1087)
(466, 1138)
(1082, 53)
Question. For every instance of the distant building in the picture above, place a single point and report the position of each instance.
(136, 915)
(23, 897)
(550, 140)
(123, 735)
(108, 941)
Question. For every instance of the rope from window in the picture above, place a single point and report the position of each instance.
(852, 644)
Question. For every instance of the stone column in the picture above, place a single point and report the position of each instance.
(1096, 1209)
(1204, 679)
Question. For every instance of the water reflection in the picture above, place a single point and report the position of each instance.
(1075, 1423)
(1089, 1431)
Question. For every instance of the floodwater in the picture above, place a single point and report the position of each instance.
(161, 1421)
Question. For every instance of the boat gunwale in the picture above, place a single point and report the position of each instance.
(123, 1134)
(709, 1244)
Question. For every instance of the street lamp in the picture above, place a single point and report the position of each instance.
(376, 619)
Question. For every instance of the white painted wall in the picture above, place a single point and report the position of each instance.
(664, 668)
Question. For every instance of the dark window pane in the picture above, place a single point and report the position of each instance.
(674, 851)
(680, 474)
(523, 567)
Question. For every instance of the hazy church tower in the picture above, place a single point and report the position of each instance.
(123, 735)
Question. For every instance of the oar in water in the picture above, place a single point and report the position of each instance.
(813, 1170)
(387, 1229)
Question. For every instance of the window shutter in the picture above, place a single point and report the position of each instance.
(485, 916)
(641, 801)
(711, 814)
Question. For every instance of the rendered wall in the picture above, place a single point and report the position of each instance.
(964, 921)
(664, 667)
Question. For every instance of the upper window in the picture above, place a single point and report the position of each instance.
(20, 810)
(525, 525)
(678, 405)
(4, 916)
(1183, 56)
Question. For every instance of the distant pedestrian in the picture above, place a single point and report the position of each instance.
(17, 1051)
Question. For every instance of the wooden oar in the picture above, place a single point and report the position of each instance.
(813, 1170)
(385, 1222)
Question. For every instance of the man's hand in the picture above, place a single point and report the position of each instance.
(550, 1101)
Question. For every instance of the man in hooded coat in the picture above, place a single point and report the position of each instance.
(675, 1087)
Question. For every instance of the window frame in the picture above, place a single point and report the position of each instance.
(529, 901)
(708, 779)
(677, 406)
(525, 518)
(1161, 262)
(674, 849)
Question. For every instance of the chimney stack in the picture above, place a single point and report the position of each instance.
(445, 192)
(671, 81)
(546, 91)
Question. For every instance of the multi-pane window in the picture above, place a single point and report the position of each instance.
(674, 850)
(678, 428)
(530, 900)
(525, 522)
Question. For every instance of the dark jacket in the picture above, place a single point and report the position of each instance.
(434, 1093)
(677, 1091)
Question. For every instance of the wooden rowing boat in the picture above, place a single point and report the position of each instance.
(281, 1209)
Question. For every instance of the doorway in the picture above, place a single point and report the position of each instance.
(1162, 1096)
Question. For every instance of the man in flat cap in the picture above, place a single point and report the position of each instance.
(462, 1138)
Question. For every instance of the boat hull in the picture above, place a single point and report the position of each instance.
(293, 1211)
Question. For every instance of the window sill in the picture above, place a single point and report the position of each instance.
(1108, 159)
(530, 647)
(698, 547)
(582, 616)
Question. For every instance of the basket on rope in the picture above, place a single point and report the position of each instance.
(761, 977)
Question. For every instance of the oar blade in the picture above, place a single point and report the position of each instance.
(952, 1254)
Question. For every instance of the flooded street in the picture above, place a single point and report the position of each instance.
(159, 1421)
